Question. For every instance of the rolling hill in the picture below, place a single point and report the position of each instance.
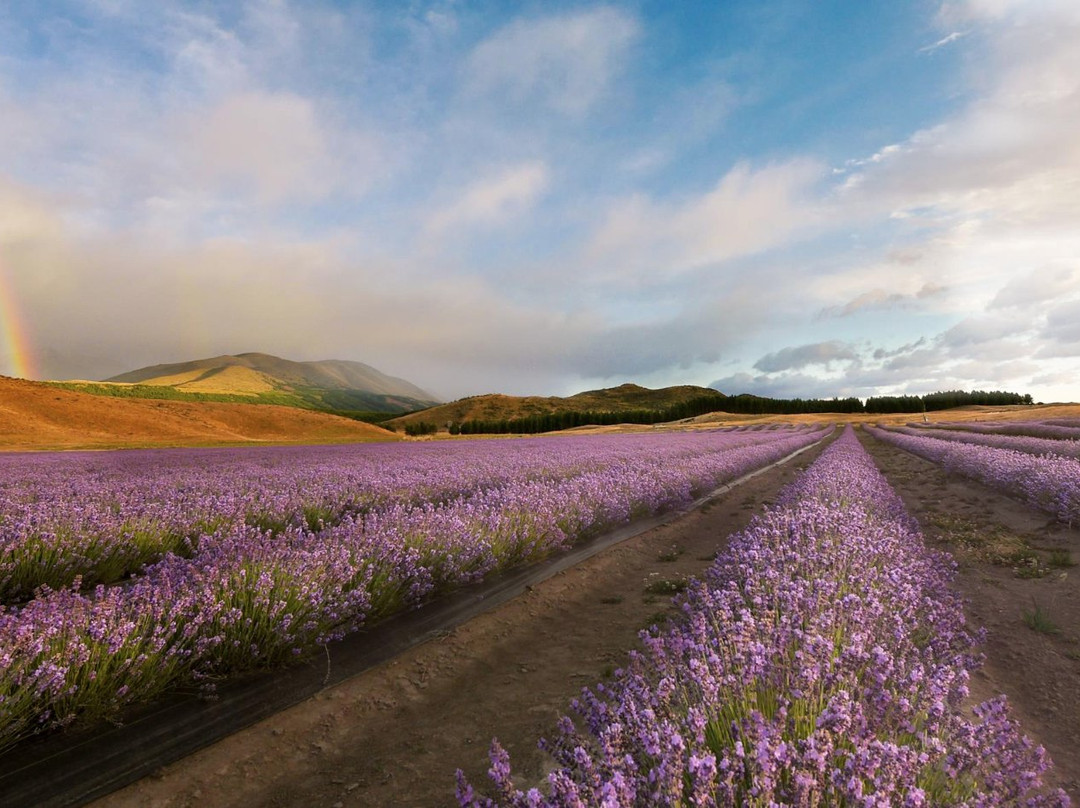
(338, 386)
(612, 400)
(36, 415)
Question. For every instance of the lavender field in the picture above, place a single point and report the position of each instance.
(1050, 440)
(125, 575)
(823, 660)
(1053, 428)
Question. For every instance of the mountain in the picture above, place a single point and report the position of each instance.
(610, 401)
(38, 415)
(332, 385)
(332, 374)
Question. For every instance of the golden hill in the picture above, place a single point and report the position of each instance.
(39, 416)
(230, 379)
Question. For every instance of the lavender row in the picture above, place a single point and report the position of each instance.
(98, 518)
(1015, 443)
(252, 598)
(1048, 482)
(1031, 429)
(822, 661)
(1073, 422)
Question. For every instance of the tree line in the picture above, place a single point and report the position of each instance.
(944, 401)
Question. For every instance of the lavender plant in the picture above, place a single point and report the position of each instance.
(823, 660)
(1027, 444)
(250, 594)
(1034, 429)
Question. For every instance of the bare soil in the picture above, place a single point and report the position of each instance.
(35, 416)
(395, 735)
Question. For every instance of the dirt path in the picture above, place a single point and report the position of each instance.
(1008, 569)
(396, 734)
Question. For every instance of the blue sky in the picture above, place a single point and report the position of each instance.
(786, 198)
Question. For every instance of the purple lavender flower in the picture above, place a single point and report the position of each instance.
(823, 660)
(125, 574)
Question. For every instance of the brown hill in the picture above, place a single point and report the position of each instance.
(495, 406)
(38, 416)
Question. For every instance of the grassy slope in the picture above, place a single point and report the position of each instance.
(350, 403)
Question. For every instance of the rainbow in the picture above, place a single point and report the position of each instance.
(16, 358)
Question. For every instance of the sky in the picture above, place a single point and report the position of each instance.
(792, 198)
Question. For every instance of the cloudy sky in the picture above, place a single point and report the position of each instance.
(808, 198)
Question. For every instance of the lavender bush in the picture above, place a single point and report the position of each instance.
(1033, 429)
(1016, 443)
(822, 661)
(255, 594)
(1048, 482)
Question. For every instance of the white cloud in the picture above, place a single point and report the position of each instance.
(270, 143)
(802, 356)
(206, 138)
(1010, 154)
(26, 215)
(564, 62)
(207, 59)
(748, 211)
(1063, 327)
(1038, 287)
(980, 329)
(492, 200)
(948, 39)
(788, 385)
(878, 299)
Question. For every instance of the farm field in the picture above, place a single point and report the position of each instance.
(170, 569)
(381, 738)
(395, 735)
